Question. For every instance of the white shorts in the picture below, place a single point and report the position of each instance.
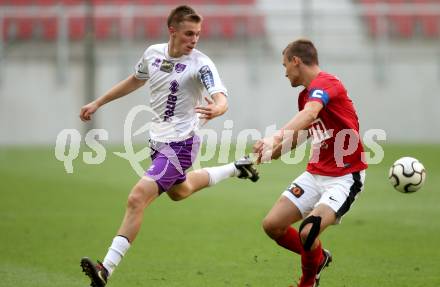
(309, 190)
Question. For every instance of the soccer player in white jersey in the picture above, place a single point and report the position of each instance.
(178, 75)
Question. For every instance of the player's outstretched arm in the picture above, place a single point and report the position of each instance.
(291, 136)
(288, 136)
(214, 108)
(119, 90)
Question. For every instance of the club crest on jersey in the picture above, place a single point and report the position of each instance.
(180, 67)
(167, 66)
(296, 190)
(156, 63)
(319, 133)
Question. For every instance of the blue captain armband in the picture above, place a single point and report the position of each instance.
(318, 94)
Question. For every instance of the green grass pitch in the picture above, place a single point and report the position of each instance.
(50, 219)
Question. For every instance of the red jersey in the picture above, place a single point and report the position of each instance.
(336, 145)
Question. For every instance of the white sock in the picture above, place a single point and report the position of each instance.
(115, 253)
(219, 173)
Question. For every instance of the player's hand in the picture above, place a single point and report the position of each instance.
(87, 111)
(265, 156)
(257, 150)
(258, 146)
(266, 143)
(263, 149)
(208, 112)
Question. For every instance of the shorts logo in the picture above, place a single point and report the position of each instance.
(296, 190)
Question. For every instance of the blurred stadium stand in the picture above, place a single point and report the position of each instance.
(387, 52)
(109, 25)
(403, 21)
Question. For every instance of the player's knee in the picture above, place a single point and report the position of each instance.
(309, 231)
(272, 228)
(176, 195)
(180, 192)
(304, 233)
(136, 198)
(134, 201)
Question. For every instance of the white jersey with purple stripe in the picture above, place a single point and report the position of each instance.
(177, 86)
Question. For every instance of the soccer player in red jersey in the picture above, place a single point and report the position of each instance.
(336, 171)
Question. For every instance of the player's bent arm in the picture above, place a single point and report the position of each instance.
(291, 131)
(221, 102)
(215, 107)
(303, 119)
(289, 141)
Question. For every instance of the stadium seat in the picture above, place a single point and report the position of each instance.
(226, 26)
(49, 28)
(149, 27)
(429, 23)
(214, 27)
(402, 25)
(71, 2)
(230, 27)
(9, 29)
(111, 2)
(110, 27)
(45, 2)
(255, 26)
(233, 2)
(106, 27)
(19, 28)
(159, 2)
(145, 2)
(20, 2)
(371, 18)
(77, 28)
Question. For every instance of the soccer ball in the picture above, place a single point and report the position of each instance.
(407, 174)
